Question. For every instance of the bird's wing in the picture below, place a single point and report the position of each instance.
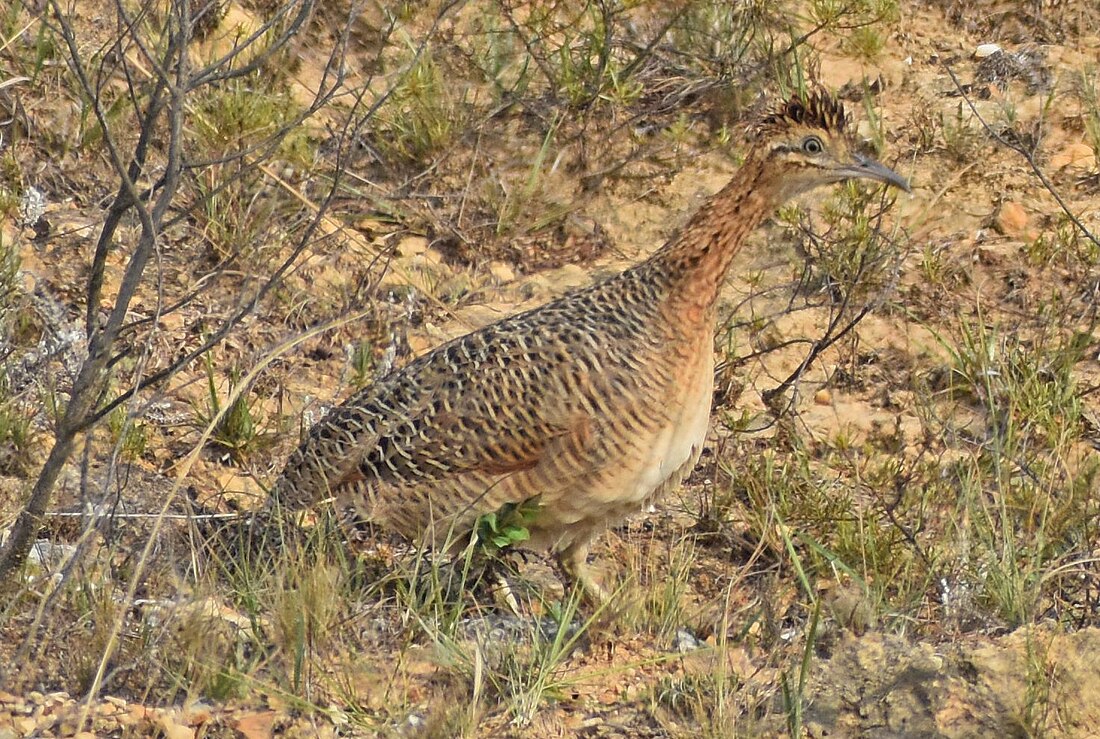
(479, 405)
(464, 423)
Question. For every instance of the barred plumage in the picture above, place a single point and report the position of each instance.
(591, 405)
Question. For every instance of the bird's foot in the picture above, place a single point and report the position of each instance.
(574, 561)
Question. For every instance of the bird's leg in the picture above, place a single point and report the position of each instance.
(499, 568)
(574, 560)
(504, 593)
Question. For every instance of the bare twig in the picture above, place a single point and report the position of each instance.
(89, 383)
(1047, 184)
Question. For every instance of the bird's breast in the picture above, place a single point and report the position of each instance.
(674, 447)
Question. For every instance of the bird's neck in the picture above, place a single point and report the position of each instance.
(693, 265)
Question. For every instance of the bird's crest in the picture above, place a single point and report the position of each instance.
(816, 109)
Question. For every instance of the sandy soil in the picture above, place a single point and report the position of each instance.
(978, 209)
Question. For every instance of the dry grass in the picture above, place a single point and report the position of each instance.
(931, 473)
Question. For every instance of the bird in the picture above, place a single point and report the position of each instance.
(585, 409)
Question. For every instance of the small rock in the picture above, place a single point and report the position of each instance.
(368, 225)
(44, 721)
(823, 397)
(1011, 219)
(852, 608)
(24, 725)
(32, 206)
(1076, 156)
(985, 50)
(239, 487)
(685, 641)
(198, 713)
(433, 257)
(257, 725)
(502, 272)
(51, 556)
(108, 710)
(570, 277)
(170, 725)
(412, 245)
(138, 713)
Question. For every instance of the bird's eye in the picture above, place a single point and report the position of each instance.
(812, 145)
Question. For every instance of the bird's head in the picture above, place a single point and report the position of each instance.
(810, 142)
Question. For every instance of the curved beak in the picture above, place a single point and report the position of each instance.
(867, 168)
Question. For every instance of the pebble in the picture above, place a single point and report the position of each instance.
(823, 397)
(198, 713)
(1011, 219)
(24, 725)
(171, 728)
(985, 50)
(1078, 155)
(502, 272)
(412, 246)
(685, 641)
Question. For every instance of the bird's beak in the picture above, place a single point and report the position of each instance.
(868, 168)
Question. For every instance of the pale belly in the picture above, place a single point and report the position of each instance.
(675, 449)
(654, 465)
